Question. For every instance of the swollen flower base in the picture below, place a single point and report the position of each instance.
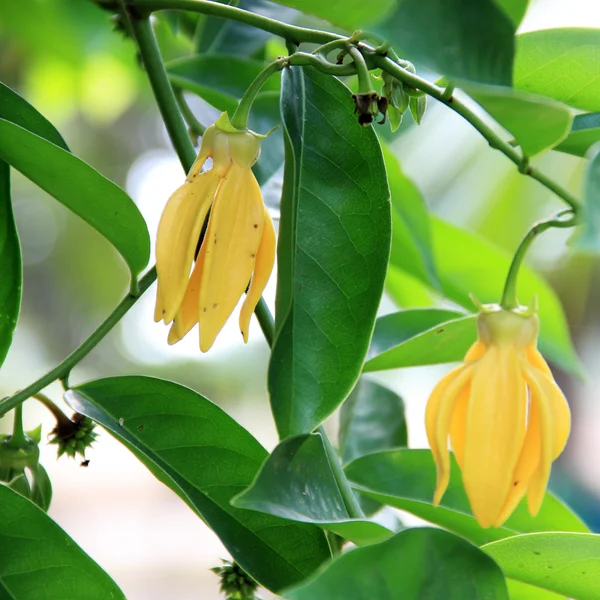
(238, 247)
(506, 418)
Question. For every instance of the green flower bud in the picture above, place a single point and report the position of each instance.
(74, 436)
(236, 584)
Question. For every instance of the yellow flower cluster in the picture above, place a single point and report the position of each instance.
(506, 418)
(238, 246)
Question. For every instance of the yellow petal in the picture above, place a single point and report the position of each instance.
(475, 352)
(495, 427)
(539, 481)
(158, 308)
(458, 425)
(265, 259)
(177, 238)
(437, 423)
(233, 236)
(535, 358)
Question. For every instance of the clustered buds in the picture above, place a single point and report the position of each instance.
(401, 97)
(73, 436)
(235, 583)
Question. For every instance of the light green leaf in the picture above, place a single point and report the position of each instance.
(415, 564)
(371, 419)
(97, 200)
(537, 123)
(588, 239)
(518, 590)
(10, 265)
(561, 64)
(297, 483)
(412, 338)
(41, 562)
(327, 293)
(206, 458)
(408, 291)
(406, 479)
(515, 9)
(585, 132)
(566, 563)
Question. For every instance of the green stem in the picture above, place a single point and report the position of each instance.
(362, 70)
(62, 421)
(163, 92)
(240, 116)
(265, 320)
(477, 122)
(194, 126)
(509, 296)
(352, 505)
(216, 9)
(18, 438)
(64, 368)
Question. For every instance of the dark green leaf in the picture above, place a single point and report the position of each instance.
(566, 563)
(413, 565)
(221, 80)
(297, 483)
(41, 562)
(423, 336)
(585, 132)
(372, 419)
(17, 110)
(406, 479)
(101, 203)
(201, 453)
(411, 239)
(561, 64)
(537, 123)
(10, 265)
(589, 237)
(332, 254)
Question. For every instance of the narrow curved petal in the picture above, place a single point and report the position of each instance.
(539, 480)
(437, 421)
(458, 424)
(178, 232)
(535, 358)
(475, 352)
(527, 465)
(233, 236)
(495, 428)
(265, 259)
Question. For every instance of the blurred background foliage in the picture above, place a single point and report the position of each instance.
(75, 64)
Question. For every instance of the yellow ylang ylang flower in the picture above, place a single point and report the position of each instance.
(238, 247)
(506, 418)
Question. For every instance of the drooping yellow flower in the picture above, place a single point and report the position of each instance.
(237, 249)
(506, 418)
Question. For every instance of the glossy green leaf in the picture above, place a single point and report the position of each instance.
(536, 122)
(371, 419)
(515, 9)
(566, 563)
(588, 239)
(16, 109)
(561, 64)
(411, 232)
(412, 338)
(468, 264)
(297, 483)
(205, 457)
(221, 80)
(408, 291)
(97, 200)
(39, 561)
(585, 132)
(10, 265)
(406, 479)
(333, 250)
(415, 564)
(517, 590)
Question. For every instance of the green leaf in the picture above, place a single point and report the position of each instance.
(566, 563)
(463, 257)
(414, 564)
(16, 109)
(372, 419)
(97, 200)
(588, 239)
(537, 123)
(327, 293)
(406, 479)
(205, 457)
(411, 231)
(219, 79)
(521, 591)
(297, 483)
(515, 9)
(41, 562)
(585, 132)
(10, 265)
(412, 338)
(561, 64)
(408, 291)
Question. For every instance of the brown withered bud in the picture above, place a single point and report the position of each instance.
(382, 106)
(366, 105)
